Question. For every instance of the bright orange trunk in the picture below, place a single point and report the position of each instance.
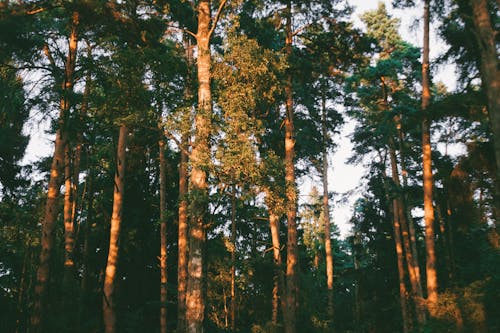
(108, 305)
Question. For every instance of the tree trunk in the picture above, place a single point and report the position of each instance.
(399, 256)
(485, 36)
(84, 284)
(432, 295)
(233, 261)
(163, 235)
(69, 226)
(291, 191)
(326, 216)
(56, 172)
(357, 296)
(411, 262)
(182, 240)
(195, 302)
(108, 305)
(183, 206)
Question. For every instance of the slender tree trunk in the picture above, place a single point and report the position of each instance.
(490, 74)
(326, 216)
(22, 287)
(430, 251)
(108, 305)
(69, 227)
(412, 264)
(357, 296)
(291, 191)
(183, 206)
(56, 172)
(400, 258)
(163, 235)
(278, 279)
(182, 240)
(233, 261)
(409, 218)
(86, 250)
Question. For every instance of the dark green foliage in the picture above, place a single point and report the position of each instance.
(130, 53)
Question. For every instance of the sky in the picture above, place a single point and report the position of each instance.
(343, 178)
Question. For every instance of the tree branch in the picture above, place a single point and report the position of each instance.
(178, 143)
(216, 18)
(182, 29)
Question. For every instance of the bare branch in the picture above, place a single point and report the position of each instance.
(216, 18)
(178, 143)
(182, 30)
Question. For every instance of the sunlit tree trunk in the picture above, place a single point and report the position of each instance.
(326, 216)
(182, 240)
(490, 74)
(108, 305)
(431, 274)
(163, 234)
(56, 172)
(195, 302)
(411, 262)
(183, 207)
(69, 227)
(278, 278)
(291, 191)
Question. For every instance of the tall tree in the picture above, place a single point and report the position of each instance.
(56, 174)
(108, 299)
(200, 159)
(292, 255)
(485, 34)
(428, 184)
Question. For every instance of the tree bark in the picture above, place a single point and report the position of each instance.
(326, 216)
(291, 191)
(195, 301)
(485, 36)
(163, 234)
(411, 262)
(108, 305)
(428, 182)
(183, 207)
(399, 257)
(233, 261)
(55, 180)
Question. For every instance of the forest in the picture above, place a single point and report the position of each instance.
(188, 186)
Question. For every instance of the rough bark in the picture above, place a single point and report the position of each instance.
(182, 240)
(55, 180)
(326, 216)
(195, 302)
(108, 305)
(490, 74)
(183, 206)
(163, 235)
(291, 191)
(428, 182)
